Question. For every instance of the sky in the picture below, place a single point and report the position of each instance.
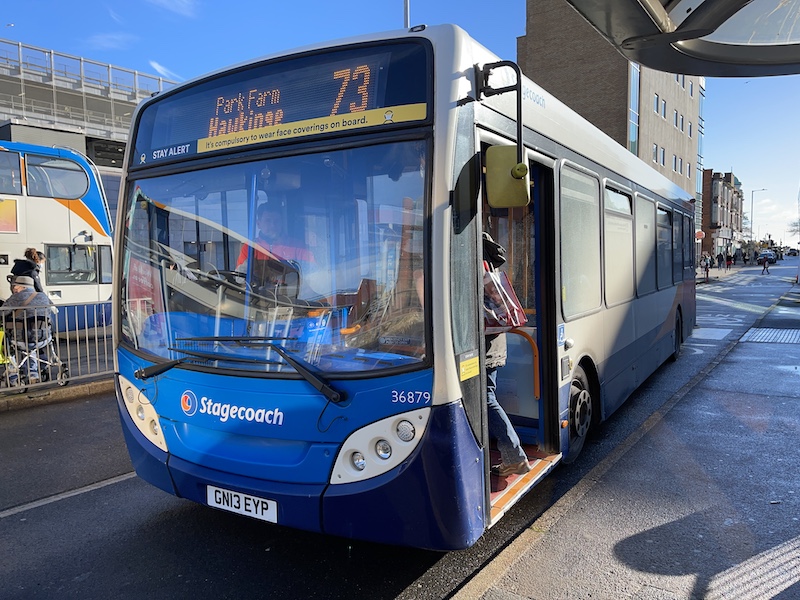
(752, 126)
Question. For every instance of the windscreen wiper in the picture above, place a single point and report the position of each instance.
(299, 365)
(159, 368)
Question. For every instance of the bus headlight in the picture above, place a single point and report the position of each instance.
(383, 449)
(358, 460)
(379, 447)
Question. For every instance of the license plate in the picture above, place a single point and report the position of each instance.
(243, 504)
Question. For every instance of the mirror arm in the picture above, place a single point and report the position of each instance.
(487, 90)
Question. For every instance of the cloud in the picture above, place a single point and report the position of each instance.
(165, 72)
(185, 8)
(111, 41)
(114, 16)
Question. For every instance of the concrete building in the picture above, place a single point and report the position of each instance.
(656, 115)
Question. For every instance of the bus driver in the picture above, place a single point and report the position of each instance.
(271, 247)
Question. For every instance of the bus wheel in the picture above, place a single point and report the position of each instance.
(580, 413)
(676, 351)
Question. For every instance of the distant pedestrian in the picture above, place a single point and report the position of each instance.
(728, 261)
(705, 265)
(766, 266)
(720, 260)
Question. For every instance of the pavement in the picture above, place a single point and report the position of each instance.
(700, 502)
(39, 395)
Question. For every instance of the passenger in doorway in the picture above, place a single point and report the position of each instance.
(513, 457)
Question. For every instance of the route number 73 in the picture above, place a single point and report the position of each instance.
(360, 75)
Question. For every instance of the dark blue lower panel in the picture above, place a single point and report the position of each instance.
(435, 500)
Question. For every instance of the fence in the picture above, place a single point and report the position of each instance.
(44, 347)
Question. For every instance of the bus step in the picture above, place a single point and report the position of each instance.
(506, 491)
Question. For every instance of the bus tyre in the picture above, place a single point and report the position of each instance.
(581, 412)
(678, 341)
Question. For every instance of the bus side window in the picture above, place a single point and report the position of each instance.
(10, 180)
(38, 185)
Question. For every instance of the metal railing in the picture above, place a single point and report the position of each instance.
(44, 347)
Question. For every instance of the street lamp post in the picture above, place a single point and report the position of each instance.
(752, 193)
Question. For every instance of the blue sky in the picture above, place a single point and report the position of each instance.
(752, 126)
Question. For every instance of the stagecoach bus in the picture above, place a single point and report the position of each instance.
(298, 303)
(52, 199)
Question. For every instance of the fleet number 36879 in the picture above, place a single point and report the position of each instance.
(410, 397)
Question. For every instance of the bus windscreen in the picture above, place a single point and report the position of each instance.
(352, 89)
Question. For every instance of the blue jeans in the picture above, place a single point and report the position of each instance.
(500, 427)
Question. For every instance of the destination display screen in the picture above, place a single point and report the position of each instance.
(313, 95)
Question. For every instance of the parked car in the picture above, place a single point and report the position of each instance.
(792, 252)
(767, 255)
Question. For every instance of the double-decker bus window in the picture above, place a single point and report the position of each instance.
(10, 180)
(55, 177)
(70, 264)
(105, 266)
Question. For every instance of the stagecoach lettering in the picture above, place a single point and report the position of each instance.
(225, 411)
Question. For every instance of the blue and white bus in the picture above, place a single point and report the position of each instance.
(52, 199)
(298, 305)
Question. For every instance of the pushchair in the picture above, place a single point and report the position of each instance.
(30, 350)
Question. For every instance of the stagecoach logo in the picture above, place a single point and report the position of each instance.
(189, 403)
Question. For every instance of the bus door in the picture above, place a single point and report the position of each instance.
(519, 231)
(526, 233)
